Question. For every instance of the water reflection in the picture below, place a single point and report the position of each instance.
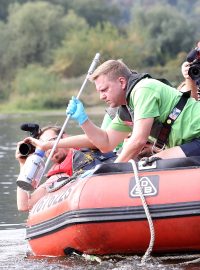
(10, 134)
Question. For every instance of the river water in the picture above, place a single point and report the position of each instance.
(14, 250)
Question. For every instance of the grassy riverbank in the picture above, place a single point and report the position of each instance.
(93, 110)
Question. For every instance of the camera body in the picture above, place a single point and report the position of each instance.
(25, 149)
(194, 58)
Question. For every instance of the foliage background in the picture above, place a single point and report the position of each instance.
(46, 47)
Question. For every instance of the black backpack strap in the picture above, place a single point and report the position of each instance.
(165, 81)
(166, 127)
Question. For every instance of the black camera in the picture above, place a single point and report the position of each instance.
(194, 57)
(26, 149)
(194, 70)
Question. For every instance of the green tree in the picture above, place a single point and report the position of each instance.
(4, 7)
(36, 88)
(95, 11)
(73, 57)
(162, 33)
(33, 31)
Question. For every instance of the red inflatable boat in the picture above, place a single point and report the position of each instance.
(102, 213)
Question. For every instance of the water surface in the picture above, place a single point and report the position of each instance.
(14, 250)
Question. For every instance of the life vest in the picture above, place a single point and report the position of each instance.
(124, 111)
(81, 160)
(87, 159)
(63, 167)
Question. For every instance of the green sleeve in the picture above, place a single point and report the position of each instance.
(106, 121)
(119, 125)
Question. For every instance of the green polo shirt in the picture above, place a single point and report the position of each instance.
(151, 98)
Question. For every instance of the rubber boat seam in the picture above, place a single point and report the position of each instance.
(146, 170)
(113, 214)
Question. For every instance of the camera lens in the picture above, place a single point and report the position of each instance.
(194, 71)
(25, 149)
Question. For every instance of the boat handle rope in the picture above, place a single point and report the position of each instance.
(147, 212)
(194, 258)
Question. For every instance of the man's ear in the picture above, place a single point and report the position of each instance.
(123, 82)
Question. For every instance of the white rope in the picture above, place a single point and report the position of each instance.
(148, 215)
(194, 258)
(178, 257)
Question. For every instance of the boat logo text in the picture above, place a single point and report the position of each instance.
(148, 185)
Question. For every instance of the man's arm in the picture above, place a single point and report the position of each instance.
(95, 137)
(191, 85)
(104, 140)
(76, 141)
(137, 141)
(26, 200)
(22, 199)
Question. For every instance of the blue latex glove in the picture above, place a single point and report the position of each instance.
(76, 109)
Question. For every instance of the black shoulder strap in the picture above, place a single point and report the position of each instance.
(123, 112)
(166, 127)
(165, 81)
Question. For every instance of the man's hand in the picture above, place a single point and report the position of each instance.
(146, 151)
(18, 156)
(184, 68)
(76, 109)
(137, 141)
(37, 143)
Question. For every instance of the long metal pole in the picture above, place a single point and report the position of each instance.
(90, 71)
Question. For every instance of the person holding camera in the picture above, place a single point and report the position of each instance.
(189, 84)
(191, 72)
(151, 106)
(66, 162)
(26, 200)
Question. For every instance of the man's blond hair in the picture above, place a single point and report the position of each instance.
(113, 69)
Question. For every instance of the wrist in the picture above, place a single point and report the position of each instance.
(82, 119)
(189, 79)
(21, 165)
(190, 83)
(47, 145)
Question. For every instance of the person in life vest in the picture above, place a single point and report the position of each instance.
(26, 200)
(72, 160)
(65, 163)
(148, 102)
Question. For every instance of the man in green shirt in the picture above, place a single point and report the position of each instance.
(153, 99)
(144, 103)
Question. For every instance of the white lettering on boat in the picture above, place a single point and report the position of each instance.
(50, 200)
